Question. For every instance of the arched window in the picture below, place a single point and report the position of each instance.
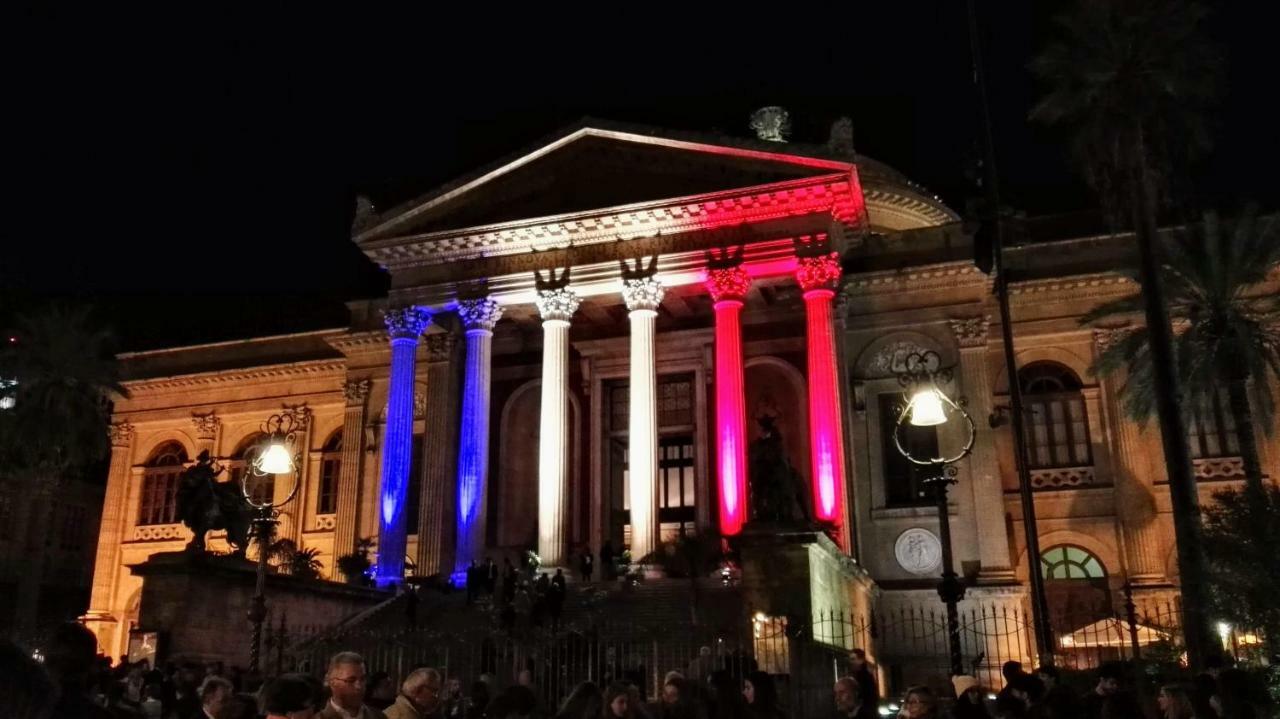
(159, 503)
(1070, 562)
(330, 470)
(261, 488)
(1057, 426)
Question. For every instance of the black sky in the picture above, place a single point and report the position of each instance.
(194, 176)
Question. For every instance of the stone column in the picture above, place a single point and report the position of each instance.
(984, 468)
(346, 512)
(728, 287)
(557, 305)
(439, 466)
(819, 276)
(404, 325)
(110, 534)
(1134, 499)
(478, 318)
(643, 295)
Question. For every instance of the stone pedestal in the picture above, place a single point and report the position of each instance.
(198, 604)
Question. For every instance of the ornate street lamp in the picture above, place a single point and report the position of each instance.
(278, 454)
(929, 406)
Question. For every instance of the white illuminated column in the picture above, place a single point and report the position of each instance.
(478, 318)
(643, 295)
(556, 307)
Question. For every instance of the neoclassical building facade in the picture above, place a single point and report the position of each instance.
(579, 344)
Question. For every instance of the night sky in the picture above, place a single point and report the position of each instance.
(194, 177)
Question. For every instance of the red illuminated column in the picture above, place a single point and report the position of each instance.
(818, 277)
(728, 286)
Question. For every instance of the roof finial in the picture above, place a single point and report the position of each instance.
(771, 123)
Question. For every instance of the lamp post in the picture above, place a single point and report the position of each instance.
(929, 406)
(277, 455)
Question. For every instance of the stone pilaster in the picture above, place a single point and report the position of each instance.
(478, 318)
(346, 512)
(557, 306)
(101, 618)
(643, 295)
(984, 468)
(439, 466)
(1135, 500)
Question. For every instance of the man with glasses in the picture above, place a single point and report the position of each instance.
(345, 679)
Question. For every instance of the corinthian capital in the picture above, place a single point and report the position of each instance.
(206, 424)
(121, 433)
(971, 331)
(1106, 337)
(642, 293)
(728, 283)
(406, 322)
(818, 273)
(356, 390)
(557, 304)
(481, 314)
(440, 346)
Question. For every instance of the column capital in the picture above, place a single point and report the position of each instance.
(121, 433)
(356, 390)
(728, 283)
(479, 314)
(206, 424)
(1107, 337)
(821, 272)
(971, 331)
(642, 293)
(557, 304)
(406, 322)
(440, 346)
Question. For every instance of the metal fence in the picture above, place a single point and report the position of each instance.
(906, 646)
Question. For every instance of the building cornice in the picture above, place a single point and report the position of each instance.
(921, 278)
(1092, 286)
(269, 373)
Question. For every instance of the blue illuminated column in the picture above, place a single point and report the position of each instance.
(557, 306)
(478, 317)
(404, 325)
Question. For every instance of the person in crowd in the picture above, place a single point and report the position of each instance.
(490, 575)
(676, 701)
(1057, 701)
(617, 700)
(1232, 699)
(152, 707)
(380, 690)
(455, 703)
(860, 670)
(290, 696)
(849, 701)
(584, 702)
(346, 677)
(1108, 697)
(761, 695)
(241, 705)
(70, 657)
(585, 565)
(514, 702)
(701, 666)
(606, 560)
(473, 582)
(419, 696)
(478, 702)
(969, 701)
(215, 693)
(1174, 703)
(919, 703)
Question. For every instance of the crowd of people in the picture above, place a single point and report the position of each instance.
(524, 599)
(73, 682)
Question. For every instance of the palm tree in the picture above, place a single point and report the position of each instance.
(1129, 77)
(65, 376)
(1229, 338)
(290, 559)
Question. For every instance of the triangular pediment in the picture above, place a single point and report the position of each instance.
(597, 165)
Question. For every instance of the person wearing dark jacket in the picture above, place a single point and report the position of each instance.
(849, 702)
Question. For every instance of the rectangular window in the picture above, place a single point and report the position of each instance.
(159, 496)
(327, 497)
(904, 481)
(1059, 431)
(1211, 429)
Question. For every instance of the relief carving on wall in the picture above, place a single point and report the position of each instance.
(918, 551)
(890, 360)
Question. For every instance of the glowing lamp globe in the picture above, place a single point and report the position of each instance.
(276, 459)
(926, 409)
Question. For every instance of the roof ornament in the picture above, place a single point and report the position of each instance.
(771, 123)
(841, 140)
(366, 215)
